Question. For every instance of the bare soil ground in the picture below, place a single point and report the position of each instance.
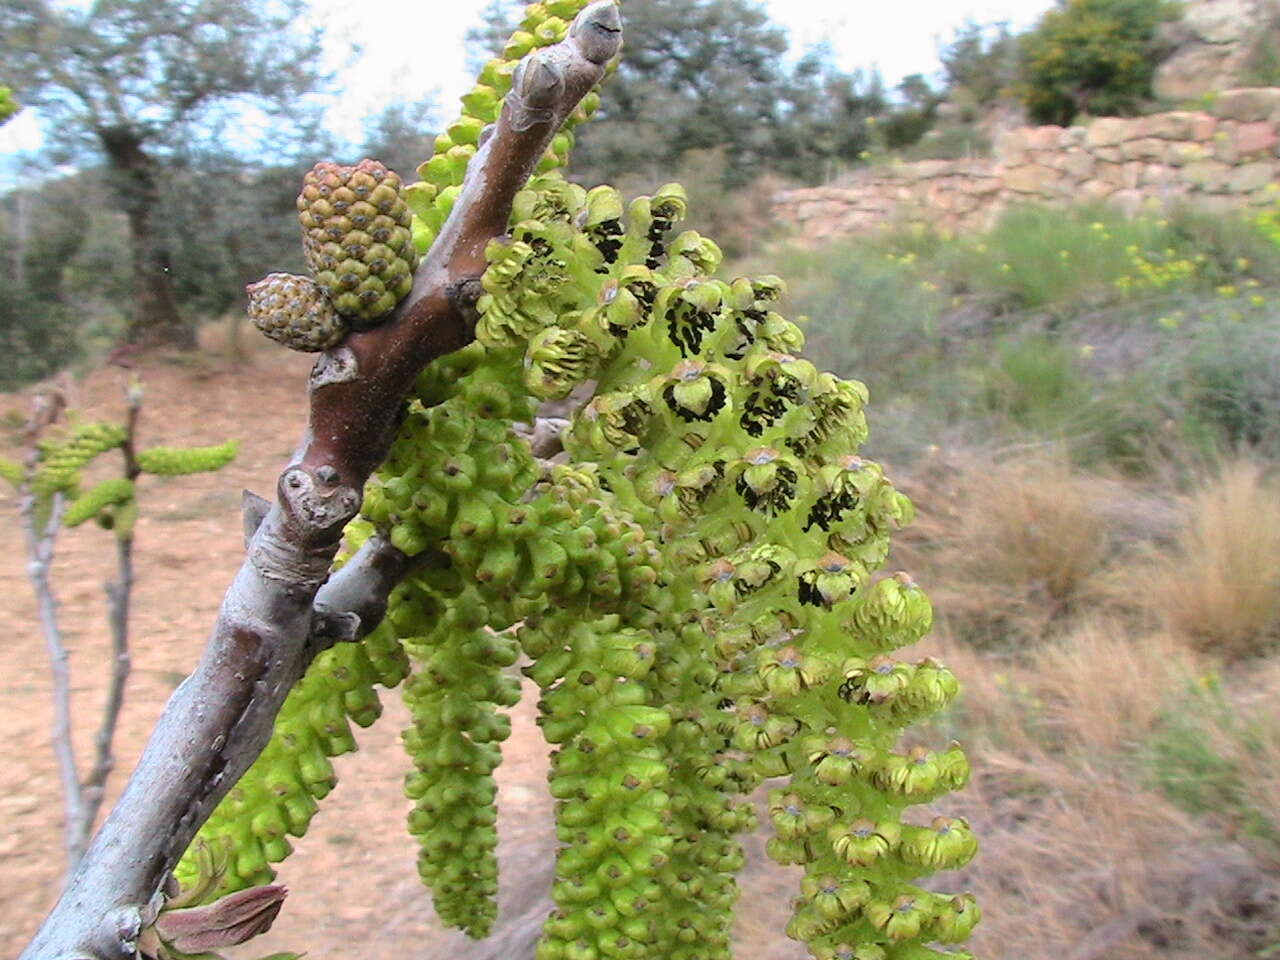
(353, 883)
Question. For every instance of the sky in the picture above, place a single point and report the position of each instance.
(425, 51)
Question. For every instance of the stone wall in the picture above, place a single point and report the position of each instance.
(1221, 158)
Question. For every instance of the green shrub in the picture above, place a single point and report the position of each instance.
(1211, 759)
(1092, 56)
(1229, 385)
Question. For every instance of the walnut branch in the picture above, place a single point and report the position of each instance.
(119, 594)
(280, 610)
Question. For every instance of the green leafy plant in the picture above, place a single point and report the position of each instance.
(693, 590)
(53, 494)
(1092, 56)
(684, 549)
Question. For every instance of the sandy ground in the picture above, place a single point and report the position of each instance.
(352, 880)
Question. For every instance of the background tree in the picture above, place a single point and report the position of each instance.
(1092, 56)
(711, 75)
(403, 134)
(980, 63)
(130, 80)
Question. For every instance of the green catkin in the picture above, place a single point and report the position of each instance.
(177, 461)
(11, 471)
(61, 459)
(278, 795)
(697, 592)
(113, 492)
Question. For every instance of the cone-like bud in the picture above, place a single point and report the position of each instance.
(296, 312)
(356, 236)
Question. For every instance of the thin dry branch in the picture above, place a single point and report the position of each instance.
(119, 594)
(41, 541)
(280, 610)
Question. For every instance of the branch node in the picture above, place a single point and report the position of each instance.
(463, 296)
(254, 510)
(330, 627)
(338, 365)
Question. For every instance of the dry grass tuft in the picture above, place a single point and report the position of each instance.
(1219, 586)
(1102, 690)
(1084, 854)
(1006, 549)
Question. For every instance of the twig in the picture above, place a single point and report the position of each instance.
(41, 541)
(279, 609)
(118, 596)
(40, 552)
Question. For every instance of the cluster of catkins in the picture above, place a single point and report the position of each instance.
(692, 584)
(61, 459)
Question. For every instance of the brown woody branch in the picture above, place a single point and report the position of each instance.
(282, 606)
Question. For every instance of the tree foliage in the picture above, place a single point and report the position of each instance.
(703, 75)
(8, 105)
(1092, 56)
(982, 60)
(135, 82)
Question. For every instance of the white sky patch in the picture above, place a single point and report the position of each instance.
(389, 51)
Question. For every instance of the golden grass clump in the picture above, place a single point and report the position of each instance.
(1005, 549)
(1219, 585)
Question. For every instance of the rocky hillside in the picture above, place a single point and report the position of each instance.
(1220, 44)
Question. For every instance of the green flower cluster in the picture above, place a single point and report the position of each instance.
(61, 459)
(432, 199)
(278, 795)
(695, 591)
(742, 458)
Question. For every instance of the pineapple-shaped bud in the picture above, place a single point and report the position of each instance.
(356, 236)
(863, 842)
(294, 311)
